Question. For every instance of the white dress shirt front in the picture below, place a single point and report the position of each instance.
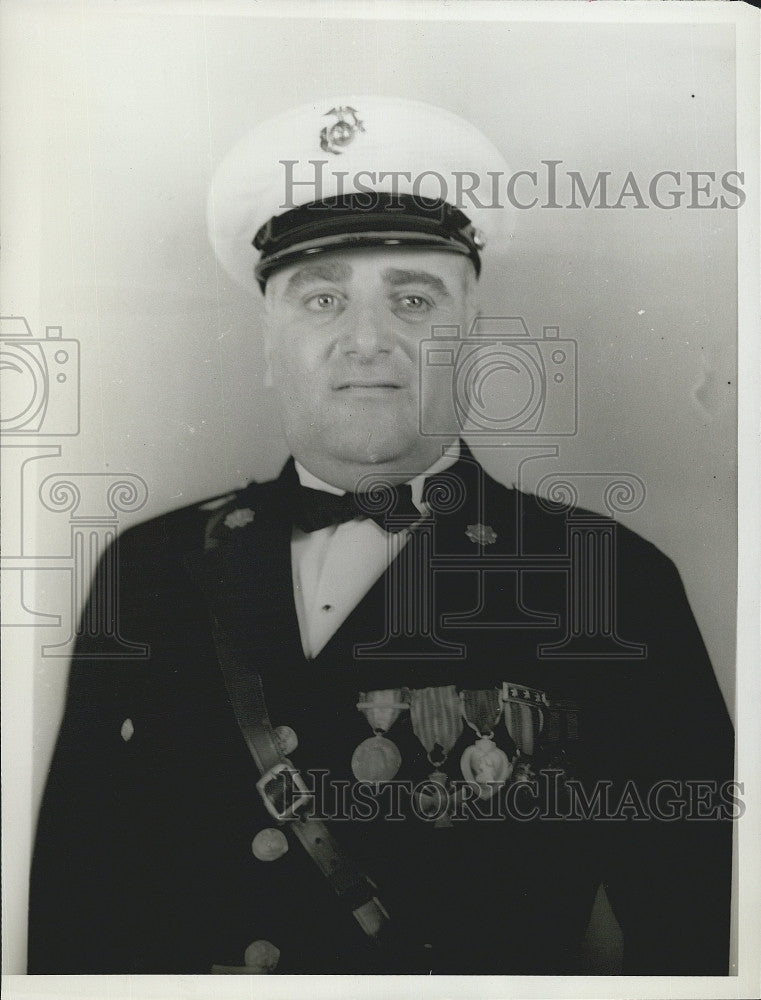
(334, 568)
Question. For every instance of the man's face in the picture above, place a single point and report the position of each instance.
(343, 331)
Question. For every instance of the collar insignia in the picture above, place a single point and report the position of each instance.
(481, 533)
(239, 518)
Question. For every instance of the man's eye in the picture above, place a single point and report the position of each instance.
(416, 303)
(324, 302)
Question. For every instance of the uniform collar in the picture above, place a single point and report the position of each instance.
(448, 458)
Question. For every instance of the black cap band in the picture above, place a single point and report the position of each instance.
(374, 218)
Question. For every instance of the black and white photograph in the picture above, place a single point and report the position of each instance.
(380, 547)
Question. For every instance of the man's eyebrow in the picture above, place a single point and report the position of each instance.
(399, 276)
(318, 270)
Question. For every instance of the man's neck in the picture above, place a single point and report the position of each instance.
(358, 478)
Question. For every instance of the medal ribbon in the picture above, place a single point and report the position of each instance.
(378, 759)
(484, 764)
(436, 717)
(482, 709)
(524, 717)
(381, 708)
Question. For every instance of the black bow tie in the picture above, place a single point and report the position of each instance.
(389, 506)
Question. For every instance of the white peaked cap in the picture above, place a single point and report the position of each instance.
(356, 148)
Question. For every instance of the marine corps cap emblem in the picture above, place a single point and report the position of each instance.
(346, 125)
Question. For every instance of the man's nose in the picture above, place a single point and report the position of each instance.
(369, 333)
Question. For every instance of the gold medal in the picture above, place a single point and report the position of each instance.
(378, 759)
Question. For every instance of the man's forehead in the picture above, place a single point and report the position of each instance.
(438, 270)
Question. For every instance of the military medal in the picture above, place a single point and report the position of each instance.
(436, 718)
(484, 764)
(377, 758)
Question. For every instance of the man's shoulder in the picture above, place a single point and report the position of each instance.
(547, 526)
(189, 527)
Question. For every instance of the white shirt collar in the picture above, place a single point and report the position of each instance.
(449, 457)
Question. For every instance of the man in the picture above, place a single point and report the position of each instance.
(395, 717)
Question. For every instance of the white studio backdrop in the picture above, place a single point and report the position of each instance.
(130, 111)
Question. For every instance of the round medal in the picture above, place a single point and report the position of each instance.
(376, 759)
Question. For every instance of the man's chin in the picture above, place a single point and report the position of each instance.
(371, 445)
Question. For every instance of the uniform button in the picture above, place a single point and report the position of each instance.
(261, 956)
(127, 730)
(269, 845)
(287, 740)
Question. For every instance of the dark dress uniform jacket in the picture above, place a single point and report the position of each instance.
(143, 860)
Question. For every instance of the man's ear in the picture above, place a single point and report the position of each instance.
(472, 296)
(267, 380)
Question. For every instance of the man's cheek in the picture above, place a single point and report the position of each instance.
(288, 364)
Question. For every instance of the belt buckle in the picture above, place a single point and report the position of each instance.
(286, 774)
